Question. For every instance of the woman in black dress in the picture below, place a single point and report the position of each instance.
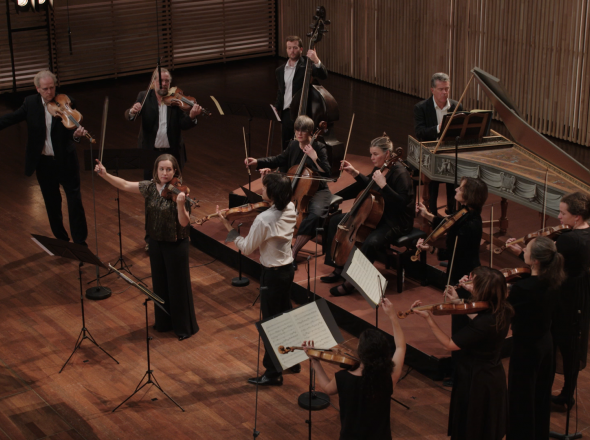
(317, 161)
(167, 224)
(365, 393)
(531, 364)
(478, 400)
(397, 190)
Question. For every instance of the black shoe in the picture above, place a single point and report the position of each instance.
(265, 380)
(332, 278)
(183, 337)
(448, 382)
(561, 400)
(295, 369)
(335, 291)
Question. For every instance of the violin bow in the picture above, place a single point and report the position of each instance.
(246, 150)
(491, 235)
(451, 268)
(150, 86)
(347, 142)
(442, 136)
(105, 111)
(545, 198)
(420, 177)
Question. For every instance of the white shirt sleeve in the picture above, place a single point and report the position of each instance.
(257, 235)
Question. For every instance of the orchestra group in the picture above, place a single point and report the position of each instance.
(541, 309)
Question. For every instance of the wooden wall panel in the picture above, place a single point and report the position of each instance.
(538, 48)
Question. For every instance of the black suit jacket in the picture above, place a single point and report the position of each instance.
(316, 72)
(150, 122)
(33, 112)
(425, 121)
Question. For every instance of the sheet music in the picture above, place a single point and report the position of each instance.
(41, 246)
(276, 112)
(292, 328)
(365, 277)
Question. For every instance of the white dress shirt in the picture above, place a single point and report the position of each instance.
(162, 135)
(288, 77)
(272, 233)
(441, 112)
(48, 147)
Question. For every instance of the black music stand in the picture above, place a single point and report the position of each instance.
(151, 379)
(123, 159)
(82, 254)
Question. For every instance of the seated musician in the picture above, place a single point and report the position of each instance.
(365, 393)
(397, 190)
(317, 161)
(428, 116)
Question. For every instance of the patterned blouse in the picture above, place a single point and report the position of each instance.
(161, 214)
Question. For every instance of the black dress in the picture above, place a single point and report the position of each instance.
(169, 250)
(531, 365)
(479, 399)
(363, 417)
(573, 294)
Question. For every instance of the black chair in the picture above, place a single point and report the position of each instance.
(408, 242)
(333, 210)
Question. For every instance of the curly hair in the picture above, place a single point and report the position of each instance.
(375, 354)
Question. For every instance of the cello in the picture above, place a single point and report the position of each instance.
(362, 219)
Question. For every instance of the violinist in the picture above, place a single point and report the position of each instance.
(574, 245)
(290, 78)
(478, 406)
(161, 125)
(52, 155)
(365, 393)
(168, 228)
(531, 364)
(272, 233)
(317, 161)
(398, 193)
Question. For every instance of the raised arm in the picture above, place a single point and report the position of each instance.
(399, 338)
(117, 182)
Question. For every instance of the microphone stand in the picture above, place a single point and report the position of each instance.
(240, 281)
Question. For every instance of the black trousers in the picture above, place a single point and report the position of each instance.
(376, 242)
(51, 173)
(433, 196)
(171, 280)
(287, 130)
(275, 299)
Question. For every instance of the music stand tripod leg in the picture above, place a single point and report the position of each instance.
(151, 379)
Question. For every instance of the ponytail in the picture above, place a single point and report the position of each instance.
(550, 262)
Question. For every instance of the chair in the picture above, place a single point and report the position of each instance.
(407, 241)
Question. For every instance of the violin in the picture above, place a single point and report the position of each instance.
(363, 217)
(509, 274)
(61, 107)
(238, 212)
(176, 97)
(449, 308)
(550, 232)
(444, 226)
(331, 355)
(173, 188)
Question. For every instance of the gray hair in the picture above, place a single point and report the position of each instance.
(304, 123)
(383, 143)
(440, 76)
(163, 70)
(44, 74)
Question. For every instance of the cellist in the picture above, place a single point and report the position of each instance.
(398, 216)
(317, 161)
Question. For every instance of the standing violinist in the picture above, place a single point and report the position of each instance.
(272, 233)
(395, 185)
(52, 155)
(317, 161)
(168, 228)
(290, 77)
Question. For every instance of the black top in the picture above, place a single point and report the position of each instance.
(531, 300)
(298, 77)
(480, 338)
(362, 417)
(292, 155)
(398, 196)
(161, 215)
(425, 120)
(469, 230)
(574, 245)
(33, 112)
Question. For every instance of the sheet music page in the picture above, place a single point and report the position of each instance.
(366, 276)
(313, 327)
(274, 109)
(283, 330)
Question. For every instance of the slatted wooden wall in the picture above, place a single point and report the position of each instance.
(111, 38)
(538, 48)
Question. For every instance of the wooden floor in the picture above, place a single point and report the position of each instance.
(40, 314)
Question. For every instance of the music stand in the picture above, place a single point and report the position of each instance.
(82, 254)
(151, 379)
(123, 159)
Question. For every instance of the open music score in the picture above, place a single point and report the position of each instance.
(365, 277)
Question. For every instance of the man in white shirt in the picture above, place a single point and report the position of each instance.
(271, 233)
(290, 78)
(428, 116)
(51, 154)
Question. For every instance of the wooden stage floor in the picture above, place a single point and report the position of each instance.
(40, 311)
